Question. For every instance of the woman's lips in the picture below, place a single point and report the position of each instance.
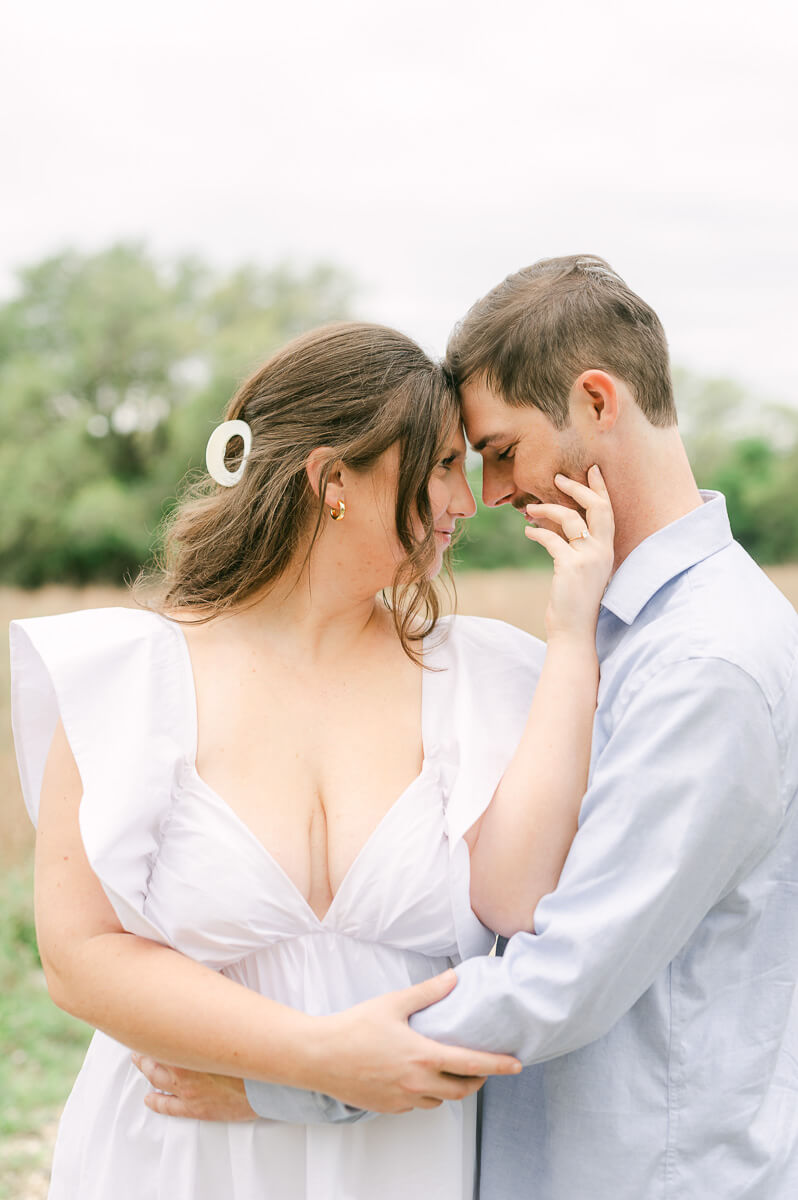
(446, 534)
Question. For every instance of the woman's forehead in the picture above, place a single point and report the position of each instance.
(456, 439)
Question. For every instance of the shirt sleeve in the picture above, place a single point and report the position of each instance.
(683, 801)
(297, 1107)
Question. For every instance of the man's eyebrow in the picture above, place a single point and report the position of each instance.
(490, 440)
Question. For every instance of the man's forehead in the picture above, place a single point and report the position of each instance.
(485, 429)
(486, 416)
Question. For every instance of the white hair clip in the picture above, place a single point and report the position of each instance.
(217, 445)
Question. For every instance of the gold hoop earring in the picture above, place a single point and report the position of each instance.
(340, 514)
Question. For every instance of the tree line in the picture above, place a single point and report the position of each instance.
(115, 366)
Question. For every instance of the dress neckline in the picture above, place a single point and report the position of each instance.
(427, 676)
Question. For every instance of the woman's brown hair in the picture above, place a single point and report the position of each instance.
(357, 388)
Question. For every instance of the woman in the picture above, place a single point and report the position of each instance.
(295, 786)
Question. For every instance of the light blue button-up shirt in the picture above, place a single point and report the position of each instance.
(656, 1002)
(657, 998)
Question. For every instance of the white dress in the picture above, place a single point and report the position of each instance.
(180, 867)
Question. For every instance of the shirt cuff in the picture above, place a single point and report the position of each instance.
(293, 1106)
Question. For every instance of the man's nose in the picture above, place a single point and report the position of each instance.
(496, 489)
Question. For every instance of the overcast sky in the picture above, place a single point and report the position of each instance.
(429, 148)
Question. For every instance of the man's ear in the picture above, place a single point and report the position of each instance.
(318, 460)
(595, 395)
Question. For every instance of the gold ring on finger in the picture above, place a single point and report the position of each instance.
(578, 537)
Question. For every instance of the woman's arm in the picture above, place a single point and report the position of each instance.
(165, 1005)
(143, 994)
(519, 845)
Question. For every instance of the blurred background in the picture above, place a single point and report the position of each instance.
(187, 185)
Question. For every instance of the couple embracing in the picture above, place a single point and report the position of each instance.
(275, 809)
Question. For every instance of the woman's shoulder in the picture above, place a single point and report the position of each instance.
(117, 680)
(91, 636)
(91, 624)
(486, 668)
(96, 665)
(485, 638)
(487, 674)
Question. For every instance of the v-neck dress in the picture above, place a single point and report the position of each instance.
(180, 867)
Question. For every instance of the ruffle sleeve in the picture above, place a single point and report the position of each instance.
(116, 678)
(488, 672)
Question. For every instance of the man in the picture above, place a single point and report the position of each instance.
(655, 1004)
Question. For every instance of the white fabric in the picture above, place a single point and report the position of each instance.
(179, 866)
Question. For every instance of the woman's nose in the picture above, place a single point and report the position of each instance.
(463, 503)
(469, 501)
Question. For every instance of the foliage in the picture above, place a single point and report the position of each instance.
(40, 1047)
(114, 367)
(749, 452)
(113, 370)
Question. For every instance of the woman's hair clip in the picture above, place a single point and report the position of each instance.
(217, 445)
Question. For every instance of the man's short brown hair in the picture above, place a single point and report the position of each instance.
(535, 333)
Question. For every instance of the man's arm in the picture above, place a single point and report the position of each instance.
(683, 802)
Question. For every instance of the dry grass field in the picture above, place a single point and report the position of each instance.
(515, 596)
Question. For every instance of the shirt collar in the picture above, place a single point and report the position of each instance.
(666, 554)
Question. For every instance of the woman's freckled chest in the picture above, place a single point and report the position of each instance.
(313, 779)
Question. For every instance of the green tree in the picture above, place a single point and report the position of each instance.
(115, 366)
(113, 369)
(749, 451)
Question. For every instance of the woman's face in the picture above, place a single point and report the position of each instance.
(451, 499)
(370, 524)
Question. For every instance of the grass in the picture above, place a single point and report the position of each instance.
(41, 1048)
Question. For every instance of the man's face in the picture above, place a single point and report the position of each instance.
(521, 450)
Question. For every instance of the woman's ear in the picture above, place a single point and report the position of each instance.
(318, 461)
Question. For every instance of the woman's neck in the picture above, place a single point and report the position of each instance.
(314, 612)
